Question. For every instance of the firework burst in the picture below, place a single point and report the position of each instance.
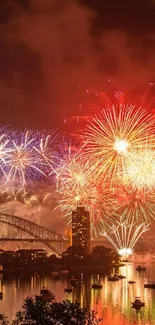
(112, 135)
(73, 173)
(23, 162)
(28, 156)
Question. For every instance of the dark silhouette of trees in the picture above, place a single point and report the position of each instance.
(37, 311)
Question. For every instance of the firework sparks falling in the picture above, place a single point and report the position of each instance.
(123, 235)
(112, 135)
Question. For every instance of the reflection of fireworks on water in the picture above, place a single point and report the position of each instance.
(123, 235)
(110, 136)
(140, 169)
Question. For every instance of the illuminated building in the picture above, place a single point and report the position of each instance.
(81, 228)
(27, 256)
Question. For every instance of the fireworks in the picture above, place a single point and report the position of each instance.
(112, 175)
(76, 185)
(141, 169)
(111, 171)
(72, 173)
(135, 205)
(99, 202)
(18, 195)
(48, 149)
(23, 162)
(28, 156)
(110, 136)
(123, 235)
(4, 153)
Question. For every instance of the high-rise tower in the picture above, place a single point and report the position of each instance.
(81, 228)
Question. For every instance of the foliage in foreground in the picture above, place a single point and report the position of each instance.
(38, 312)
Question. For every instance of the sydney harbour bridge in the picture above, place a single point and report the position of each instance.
(20, 229)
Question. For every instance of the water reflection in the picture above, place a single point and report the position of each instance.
(112, 302)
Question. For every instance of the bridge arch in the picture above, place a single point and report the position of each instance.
(48, 237)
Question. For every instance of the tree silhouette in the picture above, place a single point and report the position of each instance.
(37, 311)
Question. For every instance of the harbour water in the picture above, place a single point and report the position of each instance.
(112, 302)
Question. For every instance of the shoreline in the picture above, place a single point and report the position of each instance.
(50, 268)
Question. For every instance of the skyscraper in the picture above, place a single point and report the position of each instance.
(81, 228)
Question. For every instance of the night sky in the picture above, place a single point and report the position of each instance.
(51, 51)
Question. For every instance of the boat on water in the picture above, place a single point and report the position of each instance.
(68, 290)
(64, 273)
(46, 294)
(120, 276)
(140, 268)
(132, 282)
(96, 286)
(137, 304)
(150, 285)
(55, 275)
(113, 278)
(74, 281)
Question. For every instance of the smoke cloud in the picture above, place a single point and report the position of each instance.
(49, 57)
